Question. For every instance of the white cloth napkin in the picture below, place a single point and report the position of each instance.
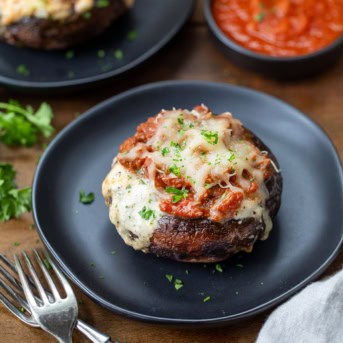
(315, 315)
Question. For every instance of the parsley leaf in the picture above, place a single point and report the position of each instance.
(146, 213)
(13, 201)
(118, 54)
(86, 198)
(232, 157)
(21, 125)
(219, 268)
(169, 277)
(259, 17)
(210, 136)
(178, 284)
(205, 300)
(102, 3)
(47, 264)
(175, 170)
(132, 35)
(165, 151)
(178, 194)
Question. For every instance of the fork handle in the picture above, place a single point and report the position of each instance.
(91, 333)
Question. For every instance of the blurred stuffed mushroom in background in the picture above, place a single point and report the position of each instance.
(57, 24)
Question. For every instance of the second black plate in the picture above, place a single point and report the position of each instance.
(134, 38)
(305, 239)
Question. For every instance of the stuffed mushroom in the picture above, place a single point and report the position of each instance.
(56, 24)
(193, 187)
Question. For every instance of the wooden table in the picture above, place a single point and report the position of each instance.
(192, 55)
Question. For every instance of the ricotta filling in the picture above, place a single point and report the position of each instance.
(134, 209)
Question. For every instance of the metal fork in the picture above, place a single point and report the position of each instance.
(13, 288)
(58, 317)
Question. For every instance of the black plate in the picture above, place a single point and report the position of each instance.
(155, 22)
(306, 237)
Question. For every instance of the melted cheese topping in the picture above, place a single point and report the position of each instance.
(196, 147)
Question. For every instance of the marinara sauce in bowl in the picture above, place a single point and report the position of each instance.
(281, 38)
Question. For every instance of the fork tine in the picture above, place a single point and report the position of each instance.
(35, 277)
(15, 311)
(9, 277)
(16, 282)
(47, 275)
(26, 287)
(14, 295)
(69, 291)
(8, 262)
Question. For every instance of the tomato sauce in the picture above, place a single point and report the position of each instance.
(282, 28)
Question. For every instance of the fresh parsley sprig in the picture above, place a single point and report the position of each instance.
(21, 125)
(13, 201)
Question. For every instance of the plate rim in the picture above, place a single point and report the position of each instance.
(177, 321)
(105, 76)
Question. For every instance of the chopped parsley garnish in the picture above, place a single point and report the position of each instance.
(69, 54)
(175, 145)
(178, 284)
(210, 136)
(21, 125)
(205, 300)
(146, 213)
(219, 268)
(86, 198)
(23, 70)
(13, 201)
(86, 15)
(178, 194)
(132, 35)
(165, 151)
(118, 54)
(191, 125)
(259, 17)
(169, 277)
(16, 244)
(232, 157)
(47, 264)
(102, 3)
(175, 170)
(180, 121)
(101, 53)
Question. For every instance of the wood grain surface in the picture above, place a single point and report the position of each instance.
(191, 55)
